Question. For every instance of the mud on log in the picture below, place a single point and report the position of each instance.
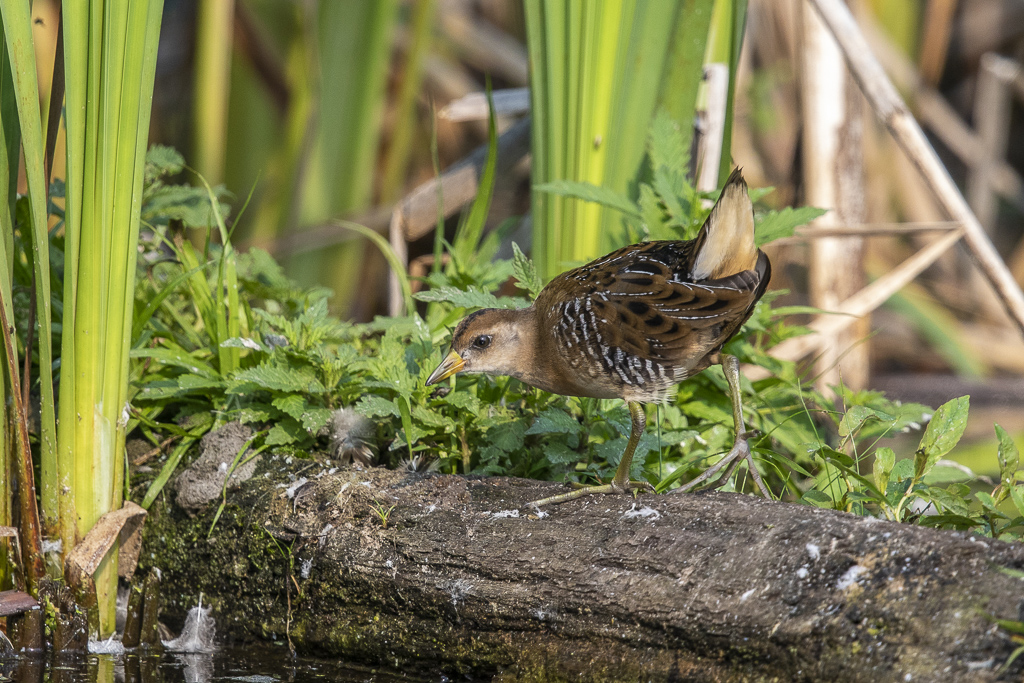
(465, 578)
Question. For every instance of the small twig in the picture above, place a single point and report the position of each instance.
(152, 453)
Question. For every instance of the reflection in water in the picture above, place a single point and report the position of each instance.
(264, 663)
(198, 667)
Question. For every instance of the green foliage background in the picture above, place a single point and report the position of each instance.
(296, 364)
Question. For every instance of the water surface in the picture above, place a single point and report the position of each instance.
(252, 664)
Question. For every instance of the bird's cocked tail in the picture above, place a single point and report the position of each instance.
(725, 244)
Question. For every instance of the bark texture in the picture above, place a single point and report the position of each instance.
(467, 579)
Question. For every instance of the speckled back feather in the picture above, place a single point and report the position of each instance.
(641, 319)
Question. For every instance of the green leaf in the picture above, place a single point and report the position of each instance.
(275, 377)
(196, 382)
(508, 436)
(856, 416)
(1009, 457)
(988, 503)
(590, 193)
(903, 469)
(775, 225)
(666, 145)
(463, 400)
(652, 216)
(558, 453)
(178, 358)
(525, 272)
(292, 404)
(372, 405)
(948, 520)
(161, 161)
(431, 418)
(885, 458)
(949, 500)
(943, 433)
(554, 421)
(817, 499)
(256, 414)
(285, 433)
(314, 419)
(470, 297)
(1017, 495)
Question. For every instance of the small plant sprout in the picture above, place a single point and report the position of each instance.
(383, 512)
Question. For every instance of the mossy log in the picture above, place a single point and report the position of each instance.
(465, 578)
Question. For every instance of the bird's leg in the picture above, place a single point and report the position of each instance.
(620, 483)
(740, 447)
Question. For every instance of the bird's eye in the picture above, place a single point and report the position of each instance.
(482, 342)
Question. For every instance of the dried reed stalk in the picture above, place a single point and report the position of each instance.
(893, 113)
(833, 159)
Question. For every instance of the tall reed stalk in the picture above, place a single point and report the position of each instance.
(110, 60)
(22, 125)
(598, 72)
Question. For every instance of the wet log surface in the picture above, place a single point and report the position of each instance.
(465, 578)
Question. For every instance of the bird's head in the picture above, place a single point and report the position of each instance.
(490, 341)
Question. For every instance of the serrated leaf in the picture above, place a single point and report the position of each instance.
(470, 297)
(652, 216)
(554, 421)
(775, 225)
(558, 453)
(507, 437)
(314, 419)
(430, 418)
(277, 378)
(285, 433)
(462, 400)
(525, 272)
(885, 458)
(256, 414)
(666, 146)
(162, 160)
(943, 433)
(372, 405)
(292, 404)
(590, 193)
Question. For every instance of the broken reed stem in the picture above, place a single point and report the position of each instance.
(893, 112)
(31, 543)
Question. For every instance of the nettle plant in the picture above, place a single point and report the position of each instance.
(270, 355)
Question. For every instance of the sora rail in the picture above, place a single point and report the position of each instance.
(631, 325)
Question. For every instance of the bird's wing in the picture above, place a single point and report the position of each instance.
(642, 320)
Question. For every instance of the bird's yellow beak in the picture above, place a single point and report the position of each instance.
(451, 364)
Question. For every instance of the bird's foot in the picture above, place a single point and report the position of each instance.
(633, 487)
(740, 452)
